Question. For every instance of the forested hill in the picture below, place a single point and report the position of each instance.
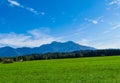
(75, 54)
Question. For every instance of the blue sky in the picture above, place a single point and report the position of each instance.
(31, 23)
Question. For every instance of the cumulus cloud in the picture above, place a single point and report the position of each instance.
(34, 38)
(94, 21)
(15, 3)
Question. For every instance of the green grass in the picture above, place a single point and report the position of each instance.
(77, 70)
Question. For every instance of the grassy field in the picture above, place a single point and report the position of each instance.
(77, 70)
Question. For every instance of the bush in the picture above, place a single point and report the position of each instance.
(7, 61)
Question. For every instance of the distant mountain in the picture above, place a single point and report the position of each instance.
(61, 47)
(8, 52)
(53, 47)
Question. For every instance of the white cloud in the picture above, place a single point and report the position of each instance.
(115, 2)
(84, 42)
(38, 34)
(94, 21)
(42, 13)
(114, 27)
(15, 3)
(107, 45)
(34, 38)
(32, 10)
(117, 26)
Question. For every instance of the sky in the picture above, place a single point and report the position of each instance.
(32, 23)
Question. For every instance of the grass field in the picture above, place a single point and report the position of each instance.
(77, 70)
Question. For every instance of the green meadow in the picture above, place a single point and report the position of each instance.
(75, 70)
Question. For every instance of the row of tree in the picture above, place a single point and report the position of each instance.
(75, 54)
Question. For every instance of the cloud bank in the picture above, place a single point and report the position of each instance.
(33, 38)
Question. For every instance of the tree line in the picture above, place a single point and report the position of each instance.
(60, 55)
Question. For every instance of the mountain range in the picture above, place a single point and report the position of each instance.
(51, 48)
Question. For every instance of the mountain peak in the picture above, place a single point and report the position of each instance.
(54, 42)
(70, 42)
(7, 47)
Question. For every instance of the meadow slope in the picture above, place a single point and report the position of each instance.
(77, 70)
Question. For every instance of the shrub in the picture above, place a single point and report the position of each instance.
(6, 60)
